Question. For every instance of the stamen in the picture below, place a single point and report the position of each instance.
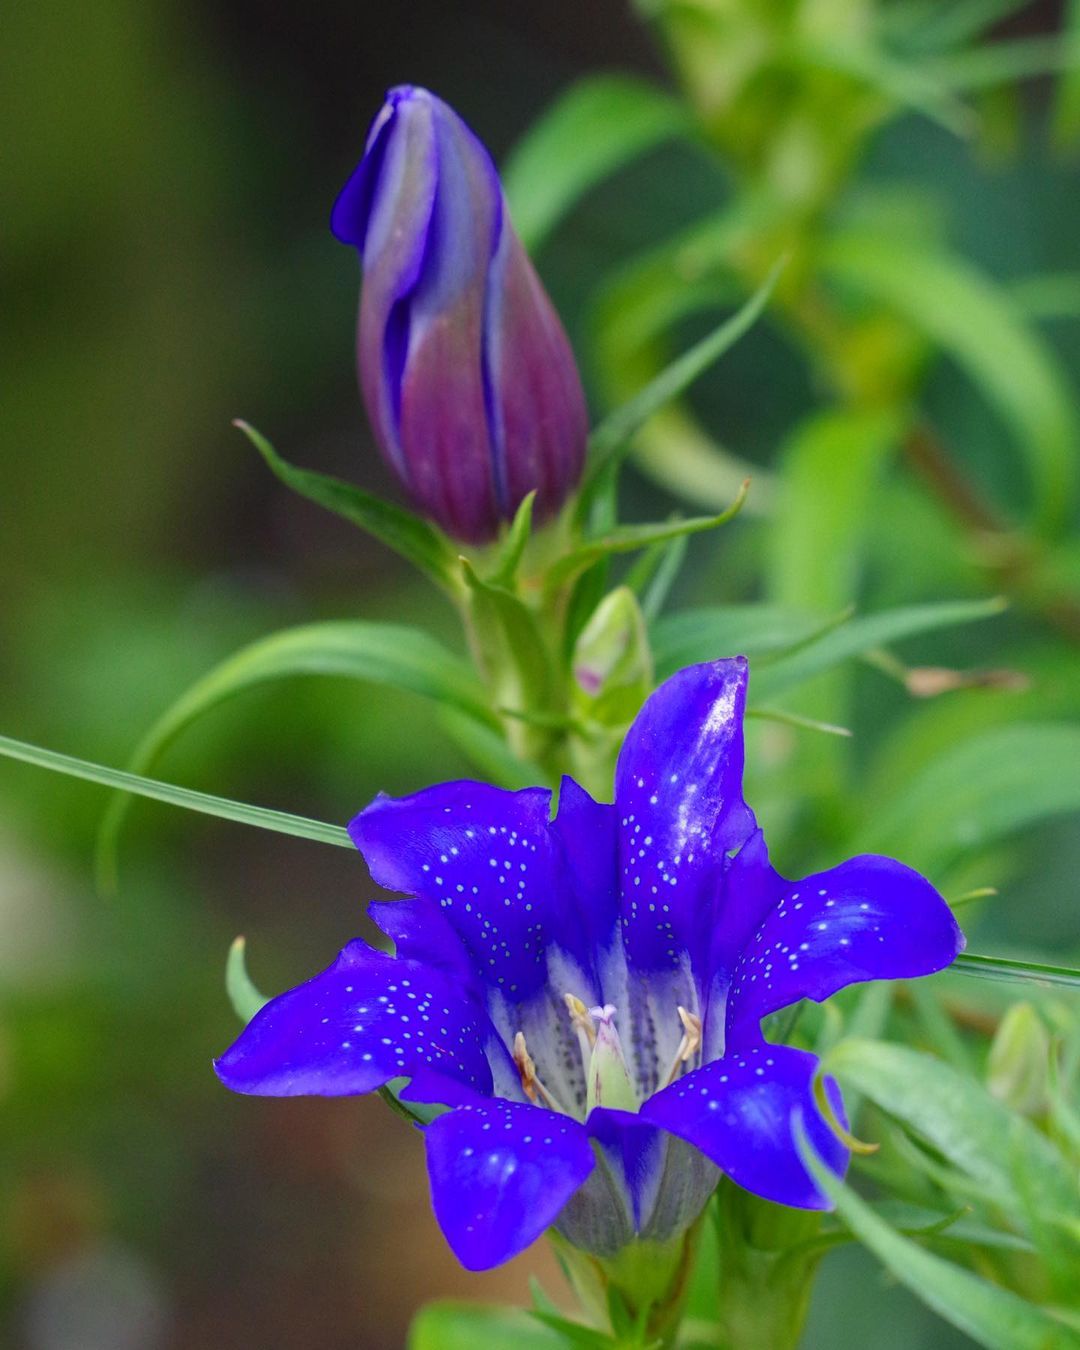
(526, 1067)
(581, 1021)
(688, 1046)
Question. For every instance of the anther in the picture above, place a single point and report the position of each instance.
(582, 1023)
(531, 1084)
(688, 1046)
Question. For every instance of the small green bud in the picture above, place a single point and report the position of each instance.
(1018, 1068)
(613, 666)
(609, 1079)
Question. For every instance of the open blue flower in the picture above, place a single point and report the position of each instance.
(585, 993)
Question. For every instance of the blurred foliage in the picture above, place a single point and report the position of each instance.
(907, 410)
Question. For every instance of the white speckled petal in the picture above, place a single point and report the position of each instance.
(500, 1174)
(869, 919)
(678, 793)
(365, 1020)
(739, 1112)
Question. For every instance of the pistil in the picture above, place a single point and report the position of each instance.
(608, 1081)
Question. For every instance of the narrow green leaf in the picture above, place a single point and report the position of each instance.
(991, 1316)
(244, 997)
(589, 132)
(611, 440)
(975, 322)
(465, 1326)
(377, 653)
(408, 535)
(976, 792)
(627, 538)
(861, 635)
(261, 816)
(1019, 972)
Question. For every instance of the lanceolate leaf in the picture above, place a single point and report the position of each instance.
(593, 129)
(991, 1316)
(392, 525)
(389, 654)
(263, 817)
(612, 438)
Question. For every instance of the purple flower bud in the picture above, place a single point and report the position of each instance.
(467, 374)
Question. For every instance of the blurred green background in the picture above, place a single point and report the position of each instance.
(166, 182)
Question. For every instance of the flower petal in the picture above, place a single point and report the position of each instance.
(488, 859)
(501, 1172)
(739, 1110)
(869, 919)
(678, 792)
(365, 1020)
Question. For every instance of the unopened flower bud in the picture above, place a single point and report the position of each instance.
(1018, 1067)
(466, 372)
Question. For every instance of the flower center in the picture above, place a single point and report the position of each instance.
(608, 1081)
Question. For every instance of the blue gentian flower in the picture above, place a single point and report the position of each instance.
(585, 993)
(468, 377)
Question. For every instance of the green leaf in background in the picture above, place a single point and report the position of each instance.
(465, 1326)
(590, 131)
(829, 469)
(863, 634)
(281, 822)
(1003, 62)
(976, 792)
(954, 1113)
(611, 440)
(413, 538)
(1066, 123)
(991, 1316)
(376, 653)
(974, 321)
(244, 997)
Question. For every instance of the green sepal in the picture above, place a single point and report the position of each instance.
(414, 539)
(509, 649)
(627, 538)
(513, 546)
